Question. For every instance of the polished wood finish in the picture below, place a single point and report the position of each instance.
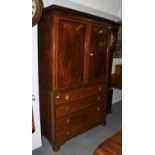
(98, 54)
(116, 81)
(79, 105)
(64, 135)
(81, 116)
(112, 146)
(76, 94)
(71, 37)
(74, 72)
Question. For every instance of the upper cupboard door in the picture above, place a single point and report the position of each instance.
(98, 54)
(71, 47)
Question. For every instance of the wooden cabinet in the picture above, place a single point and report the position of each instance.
(74, 72)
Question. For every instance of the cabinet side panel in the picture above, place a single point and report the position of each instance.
(45, 112)
(45, 41)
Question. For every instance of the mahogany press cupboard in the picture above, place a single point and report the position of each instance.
(74, 72)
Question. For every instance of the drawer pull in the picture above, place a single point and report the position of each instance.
(67, 97)
(100, 32)
(67, 120)
(67, 133)
(91, 54)
(100, 88)
(99, 98)
(67, 108)
(57, 97)
(98, 108)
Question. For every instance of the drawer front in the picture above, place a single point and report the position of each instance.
(64, 135)
(96, 111)
(76, 106)
(67, 97)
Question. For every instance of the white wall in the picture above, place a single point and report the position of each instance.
(117, 94)
(36, 136)
(110, 9)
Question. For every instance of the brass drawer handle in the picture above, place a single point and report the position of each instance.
(100, 32)
(99, 98)
(67, 108)
(67, 97)
(67, 133)
(98, 108)
(100, 88)
(67, 120)
(57, 96)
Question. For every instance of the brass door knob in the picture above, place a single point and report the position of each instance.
(33, 97)
(57, 96)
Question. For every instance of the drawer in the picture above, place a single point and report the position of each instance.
(64, 135)
(97, 110)
(73, 95)
(76, 106)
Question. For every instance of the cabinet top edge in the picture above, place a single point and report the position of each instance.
(53, 8)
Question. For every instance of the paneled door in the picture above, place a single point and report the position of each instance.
(71, 51)
(98, 71)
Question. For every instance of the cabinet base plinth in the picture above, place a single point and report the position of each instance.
(56, 147)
